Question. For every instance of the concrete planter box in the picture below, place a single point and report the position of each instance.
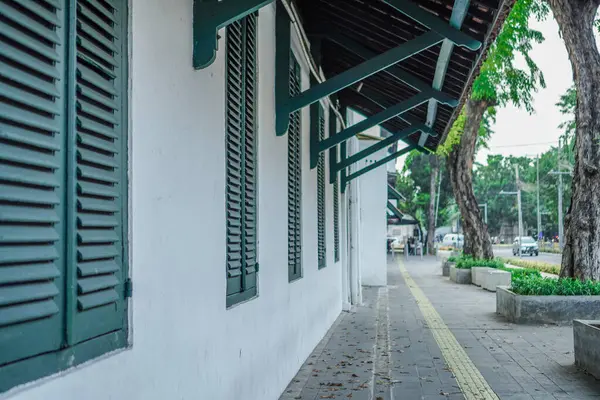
(459, 275)
(560, 310)
(477, 274)
(446, 268)
(493, 278)
(586, 337)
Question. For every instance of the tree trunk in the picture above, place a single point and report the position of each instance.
(460, 165)
(581, 255)
(435, 169)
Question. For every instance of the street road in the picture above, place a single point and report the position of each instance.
(506, 252)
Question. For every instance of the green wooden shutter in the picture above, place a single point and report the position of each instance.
(99, 170)
(336, 219)
(294, 180)
(32, 58)
(250, 157)
(241, 154)
(321, 248)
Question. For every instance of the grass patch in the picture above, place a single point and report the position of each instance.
(539, 265)
(551, 251)
(468, 263)
(538, 286)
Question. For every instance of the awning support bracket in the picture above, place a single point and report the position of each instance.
(395, 210)
(403, 134)
(376, 164)
(394, 194)
(210, 16)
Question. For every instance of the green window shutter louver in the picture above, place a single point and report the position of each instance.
(32, 172)
(321, 239)
(294, 179)
(99, 171)
(241, 160)
(336, 220)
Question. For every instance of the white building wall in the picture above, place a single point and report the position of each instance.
(373, 219)
(371, 210)
(185, 343)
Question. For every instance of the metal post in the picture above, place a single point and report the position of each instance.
(560, 203)
(539, 215)
(519, 206)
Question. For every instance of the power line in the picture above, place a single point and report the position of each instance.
(522, 145)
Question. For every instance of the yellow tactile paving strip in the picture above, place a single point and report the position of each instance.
(471, 382)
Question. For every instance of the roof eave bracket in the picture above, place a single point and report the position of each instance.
(403, 134)
(208, 18)
(395, 211)
(438, 25)
(376, 164)
(286, 104)
(394, 194)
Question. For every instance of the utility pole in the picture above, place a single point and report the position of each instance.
(561, 240)
(437, 202)
(539, 215)
(518, 193)
(560, 203)
(519, 206)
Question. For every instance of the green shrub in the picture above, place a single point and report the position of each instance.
(468, 262)
(520, 273)
(537, 286)
(452, 259)
(539, 265)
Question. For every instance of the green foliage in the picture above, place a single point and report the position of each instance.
(499, 174)
(456, 131)
(537, 286)
(520, 273)
(413, 183)
(468, 263)
(566, 106)
(500, 81)
(452, 259)
(538, 265)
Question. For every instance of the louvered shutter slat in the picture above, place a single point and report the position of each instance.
(97, 267)
(31, 171)
(100, 177)
(28, 273)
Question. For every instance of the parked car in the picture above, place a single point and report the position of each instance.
(527, 245)
(454, 240)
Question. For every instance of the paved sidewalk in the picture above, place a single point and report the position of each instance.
(518, 361)
(386, 350)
